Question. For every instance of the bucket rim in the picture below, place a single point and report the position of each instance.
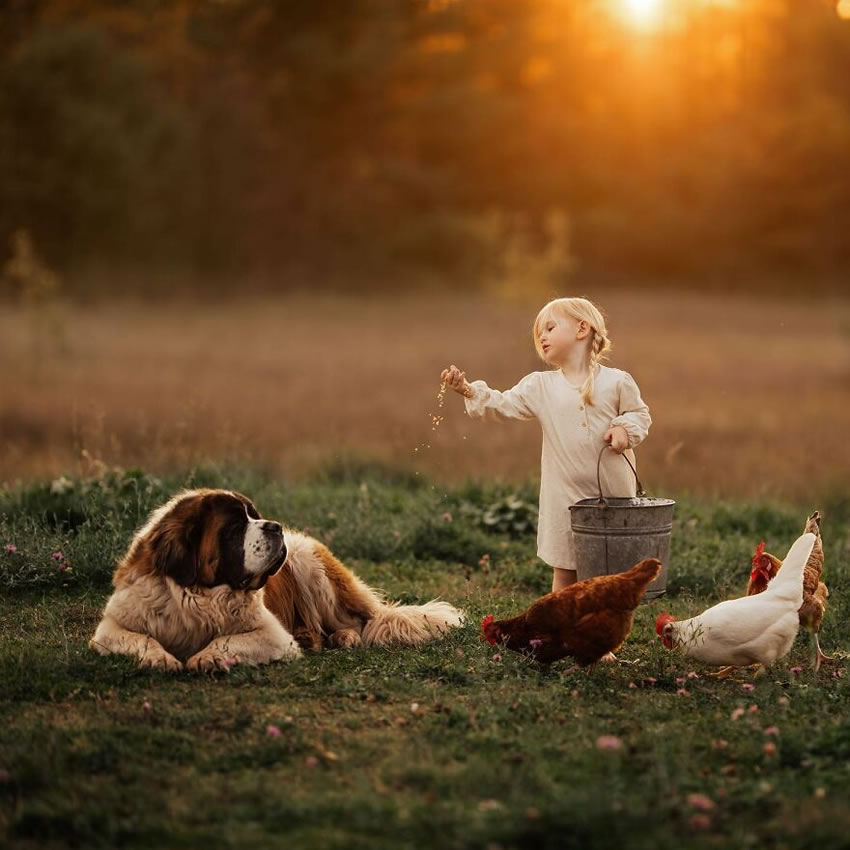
(629, 502)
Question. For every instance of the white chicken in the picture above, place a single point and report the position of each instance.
(751, 630)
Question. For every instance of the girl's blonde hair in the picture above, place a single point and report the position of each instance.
(580, 309)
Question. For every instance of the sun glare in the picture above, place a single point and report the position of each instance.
(644, 14)
(843, 9)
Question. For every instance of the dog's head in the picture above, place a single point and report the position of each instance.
(204, 538)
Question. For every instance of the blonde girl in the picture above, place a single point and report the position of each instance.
(581, 406)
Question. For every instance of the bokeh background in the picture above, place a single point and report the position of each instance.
(249, 232)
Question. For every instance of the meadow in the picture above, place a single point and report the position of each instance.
(322, 409)
(454, 745)
(748, 395)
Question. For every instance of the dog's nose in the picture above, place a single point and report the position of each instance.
(271, 527)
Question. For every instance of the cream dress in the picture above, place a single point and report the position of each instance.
(572, 439)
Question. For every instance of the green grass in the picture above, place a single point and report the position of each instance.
(448, 746)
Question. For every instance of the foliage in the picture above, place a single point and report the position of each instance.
(509, 143)
(509, 515)
(91, 153)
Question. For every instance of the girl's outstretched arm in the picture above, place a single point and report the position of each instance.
(519, 402)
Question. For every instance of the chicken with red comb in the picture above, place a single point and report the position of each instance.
(585, 620)
(757, 629)
(764, 569)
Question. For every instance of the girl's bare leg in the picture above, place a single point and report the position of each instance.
(562, 578)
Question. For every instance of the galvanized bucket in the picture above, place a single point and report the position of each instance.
(612, 534)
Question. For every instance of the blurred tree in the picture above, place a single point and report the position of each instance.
(371, 139)
(89, 150)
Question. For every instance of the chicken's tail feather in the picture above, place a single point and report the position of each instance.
(788, 583)
(813, 524)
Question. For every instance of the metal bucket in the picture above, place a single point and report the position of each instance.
(612, 534)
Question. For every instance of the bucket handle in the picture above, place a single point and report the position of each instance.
(602, 500)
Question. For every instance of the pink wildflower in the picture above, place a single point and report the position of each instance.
(795, 670)
(700, 801)
(484, 560)
(651, 680)
(680, 680)
(683, 692)
(535, 642)
(783, 700)
(719, 743)
(693, 675)
(447, 517)
(771, 730)
(58, 556)
(737, 713)
(146, 705)
(272, 731)
(769, 748)
(747, 686)
(609, 743)
(753, 709)
(632, 685)
(497, 657)
(11, 548)
(311, 761)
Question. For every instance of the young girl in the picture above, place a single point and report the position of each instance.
(581, 405)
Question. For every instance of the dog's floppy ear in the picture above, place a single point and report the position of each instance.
(175, 546)
(250, 509)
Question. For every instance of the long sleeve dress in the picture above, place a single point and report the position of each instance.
(572, 439)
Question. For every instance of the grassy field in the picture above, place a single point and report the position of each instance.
(748, 396)
(450, 746)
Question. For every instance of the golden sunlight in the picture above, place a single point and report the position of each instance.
(645, 14)
(843, 9)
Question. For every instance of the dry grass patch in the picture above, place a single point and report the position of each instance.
(748, 396)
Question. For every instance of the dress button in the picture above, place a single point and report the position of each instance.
(581, 407)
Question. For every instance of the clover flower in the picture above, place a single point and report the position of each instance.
(701, 802)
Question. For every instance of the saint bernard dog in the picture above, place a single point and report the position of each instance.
(208, 583)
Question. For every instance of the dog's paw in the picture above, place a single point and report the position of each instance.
(345, 639)
(307, 640)
(160, 660)
(209, 660)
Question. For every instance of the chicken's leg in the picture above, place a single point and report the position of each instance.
(819, 656)
(722, 673)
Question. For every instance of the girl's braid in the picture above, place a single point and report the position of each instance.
(599, 348)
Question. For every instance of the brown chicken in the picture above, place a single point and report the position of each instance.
(586, 620)
(765, 567)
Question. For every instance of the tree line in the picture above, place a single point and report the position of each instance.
(460, 140)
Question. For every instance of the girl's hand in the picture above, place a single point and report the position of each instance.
(618, 438)
(455, 380)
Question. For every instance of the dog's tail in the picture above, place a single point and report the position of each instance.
(410, 624)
